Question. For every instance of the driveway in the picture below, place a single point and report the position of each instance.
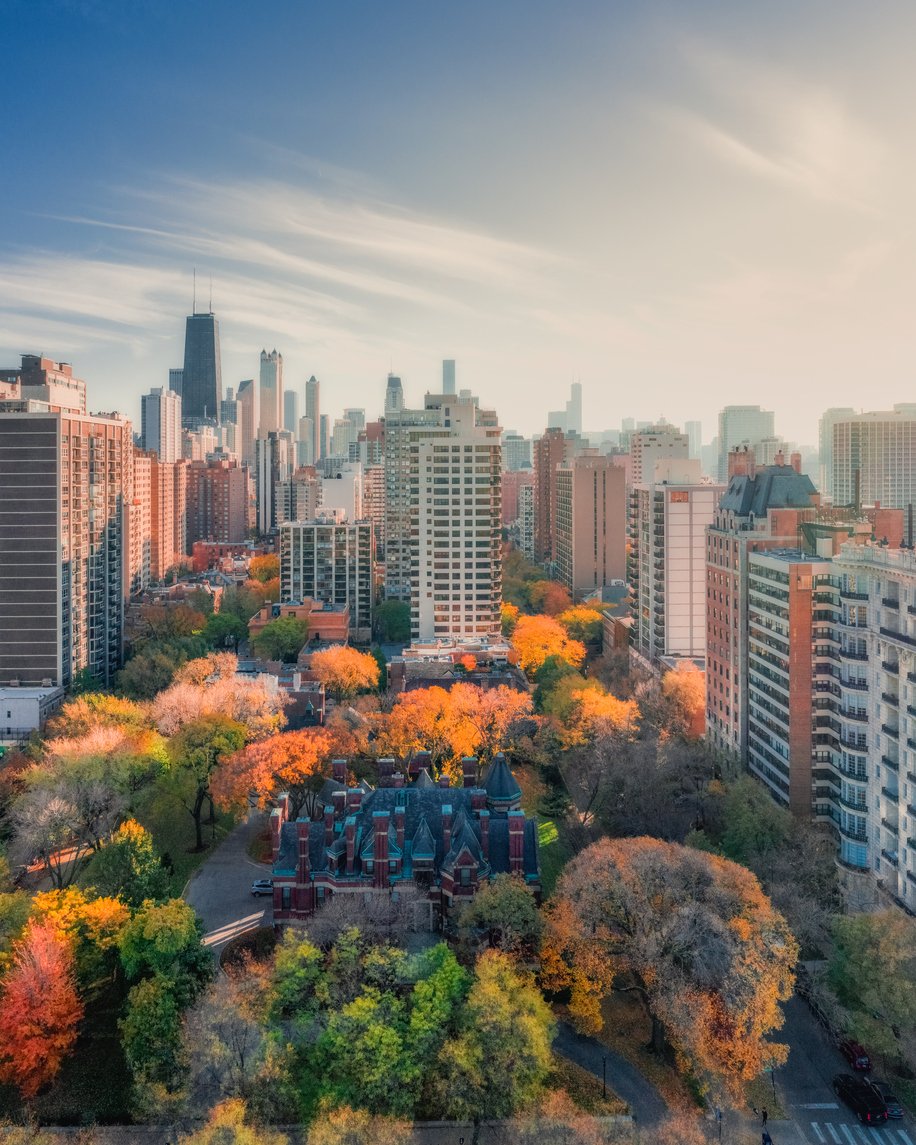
(220, 889)
(646, 1104)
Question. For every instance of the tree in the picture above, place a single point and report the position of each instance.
(39, 1010)
(227, 1125)
(297, 762)
(210, 685)
(91, 926)
(344, 1125)
(691, 934)
(90, 711)
(583, 623)
(585, 712)
(224, 628)
(45, 832)
(425, 720)
(873, 971)
(366, 1060)
(242, 602)
(166, 939)
(128, 867)
(265, 568)
(151, 1033)
(549, 597)
(15, 908)
(557, 1120)
(344, 671)
(494, 714)
(505, 907)
(392, 620)
(196, 752)
(281, 639)
(166, 621)
(500, 1059)
(149, 672)
(538, 637)
(508, 615)
(684, 690)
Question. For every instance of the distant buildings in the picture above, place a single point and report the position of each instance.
(273, 464)
(270, 393)
(160, 423)
(516, 452)
(591, 523)
(217, 502)
(874, 458)
(569, 420)
(201, 377)
(653, 444)
(313, 413)
(741, 425)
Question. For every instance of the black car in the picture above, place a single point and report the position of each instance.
(861, 1097)
(886, 1094)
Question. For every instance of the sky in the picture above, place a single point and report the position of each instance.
(680, 205)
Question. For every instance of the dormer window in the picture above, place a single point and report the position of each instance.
(465, 876)
(370, 866)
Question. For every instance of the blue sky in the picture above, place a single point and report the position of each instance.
(681, 205)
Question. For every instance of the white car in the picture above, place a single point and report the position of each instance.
(262, 887)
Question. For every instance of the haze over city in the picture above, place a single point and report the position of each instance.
(679, 210)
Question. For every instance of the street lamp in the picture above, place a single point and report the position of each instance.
(604, 1076)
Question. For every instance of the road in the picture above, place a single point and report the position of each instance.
(807, 1093)
(220, 889)
(646, 1104)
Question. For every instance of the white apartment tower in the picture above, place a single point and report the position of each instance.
(270, 392)
(741, 425)
(874, 459)
(160, 423)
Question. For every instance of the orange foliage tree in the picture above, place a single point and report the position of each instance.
(509, 614)
(40, 1011)
(493, 714)
(90, 925)
(536, 638)
(94, 710)
(344, 671)
(265, 568)
(582, 622)
(549, 597)
(585, 712)
(296, 762)
(693, 936)
(424, 720)
(684, 691)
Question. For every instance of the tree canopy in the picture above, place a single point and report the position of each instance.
(281, 639)
(344, 671)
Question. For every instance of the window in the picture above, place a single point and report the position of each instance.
(465, 876)
(286, 898)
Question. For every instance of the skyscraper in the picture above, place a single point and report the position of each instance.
(160, 423)
(448, 375)
(574, 409)
(825, 425)
(591, 524)
(291, 411)
(247, 412)
(740, 425)
(201, 377)
(270, 393)
(273, 464)
(874, 458)
(313, 412)
(394, 394)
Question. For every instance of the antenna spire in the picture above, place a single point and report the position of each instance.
(211, 293)
(194, 295)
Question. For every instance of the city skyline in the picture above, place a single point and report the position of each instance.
(740, 222)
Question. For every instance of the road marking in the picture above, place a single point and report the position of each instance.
(906, 1139)
(833, 1133)
(849, 1137)
(821, 1105)
(817, 1130)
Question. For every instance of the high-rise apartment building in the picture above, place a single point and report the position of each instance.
(342, 488)
(270, 393)
(248, 414)
(139, 523)
(168, 516)
(526, 520)
(516, 452)
(64, 543)
(313, 412)
(550, 450)
(669, 515)
(394, 394)
(825, 425)
(299, 497)
(291, 412)
(654, 444)
(874, 458)
(374, 505)
(401, 427)
(305, 446)
(448, 375)
(44, 380)
(324, 437)
(741, 425)
(201, 377)
(217, 502)
(330, 560)
(160, 423)
(453, 471)
(591, 523)
(512, 482)
(273, 464)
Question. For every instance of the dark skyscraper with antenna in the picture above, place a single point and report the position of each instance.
(201, 383)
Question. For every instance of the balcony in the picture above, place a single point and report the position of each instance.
(891, 666)
(893, 732)
(888, 794)
(853, 833)
(892, 859)
(847, 594)
(891, 763)
(859, 806)
(890, 602)
(889, 826)
(901, 636)
(891, 699)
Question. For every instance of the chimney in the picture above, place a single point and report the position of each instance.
(303, 827)
(385, 772)
(478, 799)
(380, 847)
(446, 827)
(339, 799)
(420, 760)
(444, 781)
(350, 836)
(276, 825)
(354, 798)
(399, 780)
(737, 462)
(516, 841)
(485, 834)
(339, 767)
(469, 771)
(795, 462)
(399, 814)
(283, 804)
(328, 826)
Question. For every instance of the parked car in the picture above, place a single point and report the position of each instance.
(855, 1054)
(262, 887)
(861, 1097)
(886, 1094)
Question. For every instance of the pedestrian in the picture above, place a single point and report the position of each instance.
(767, 1139)
(763, 1116)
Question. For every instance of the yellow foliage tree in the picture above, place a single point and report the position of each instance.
(344, 671)
(538, 638)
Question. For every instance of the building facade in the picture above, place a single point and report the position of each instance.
(332, 561)
(217, 502)
(160, 423)
(270, 393)
(591, 523)
(201, 376)
(741, 425)
(874, 459)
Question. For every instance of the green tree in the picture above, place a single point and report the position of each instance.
(128, 867)
(281, 639)
(15, 908)
(196, 751)
(165, 939)
(298, 968)
(243, 601)
(365, 1060)
(224, 628)
(505, 907)
(583, 623)
(392, 620)
(151, 1032)
(755, 825)
(499, 1061)
(873, 971)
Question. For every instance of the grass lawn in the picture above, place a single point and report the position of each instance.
(555, 843)
(584, 1089)
(172, 829)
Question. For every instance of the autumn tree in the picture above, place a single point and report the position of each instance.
(344, 1125)
(557, 1120)
(296, 762)
(86, 713)
(227, 1125)
(536, 638)
(549, 597)
(495, 716)
(264, 568)
(425, 719)
(684, 691)
(166, 621)
(344, 671)
(40, 1011)
(165, 939)
(281, 639)
(505, 908)
(210, 685)
(89, 924)
(500, 1059)
(584, 712)
(508, 616)
(583, 623)
(196, 752)
(691, 934)
(128, 867)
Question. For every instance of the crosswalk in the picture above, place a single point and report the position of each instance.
(832, 1133)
